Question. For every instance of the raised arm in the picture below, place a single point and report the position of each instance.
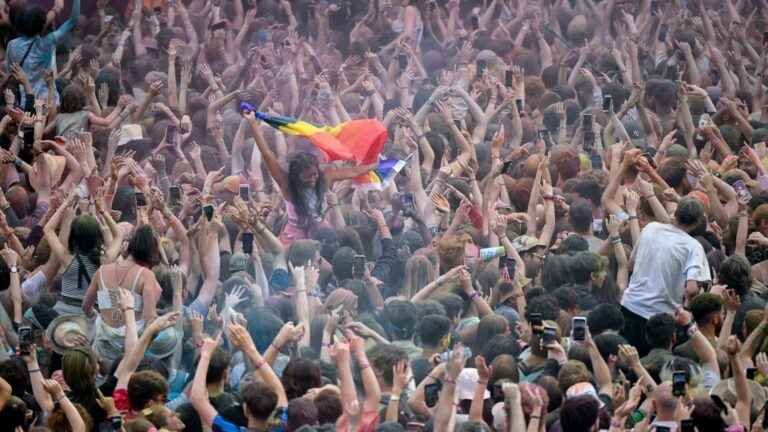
(273, 164)
(69, 24)
(131, 361)
(53, 388)
(241, 339)
(738, 369)
(444, 411)
(370, 382)
(702, 347)
(198, 393)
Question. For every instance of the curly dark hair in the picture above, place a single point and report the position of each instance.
(300, 375)
(300, 162)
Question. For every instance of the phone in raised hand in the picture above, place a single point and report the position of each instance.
(175, 192)
(579, 328)
(25, 340)
(742, 191)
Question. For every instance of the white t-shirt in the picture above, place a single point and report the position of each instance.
(665, 258)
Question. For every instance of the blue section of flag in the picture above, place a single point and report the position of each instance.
(381, 177)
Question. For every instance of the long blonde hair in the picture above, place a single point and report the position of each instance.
(419, 272)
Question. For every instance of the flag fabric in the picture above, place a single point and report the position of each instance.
(382, 176)
(355, 140)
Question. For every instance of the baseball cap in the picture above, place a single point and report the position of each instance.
(238, 262)
(525, 243)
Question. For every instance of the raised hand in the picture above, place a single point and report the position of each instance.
(240, 337)
(53, 388)
(400, 373)
(163, 322)
(125, 299)
(234, 297)
(209, 345)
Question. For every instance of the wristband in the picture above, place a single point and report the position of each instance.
(394, 398)
(364, 366)
(474, 295)
(632, 217)
(259, 365)
(449, 380)
(34, 370)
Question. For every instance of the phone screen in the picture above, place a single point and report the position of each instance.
(549, 336)
(407, 203)
(25, 339)
(607, 103)
(175, 192)
(511, 267)
(508, 78)
(579, 328)
(208, 210)
(475, 23)
(432, 393)
(679, 379)
(589, 140)
(742, 191)
(519, 105)
(358, 267)
(247, 243)
(141, 200)
(481, 65)
(245, 192)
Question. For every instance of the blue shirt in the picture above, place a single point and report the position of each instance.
(221, 425)
(40, 57)
(277, 423)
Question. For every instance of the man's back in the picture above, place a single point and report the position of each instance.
(665, 258)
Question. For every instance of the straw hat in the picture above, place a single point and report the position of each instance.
(67, 332)
(165, 344)
(129, 133)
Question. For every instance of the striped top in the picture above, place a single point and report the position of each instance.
(75, 281)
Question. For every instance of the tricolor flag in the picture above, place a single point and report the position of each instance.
(382, 176)
(355, 140)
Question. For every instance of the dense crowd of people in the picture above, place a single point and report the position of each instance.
(574, 237)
